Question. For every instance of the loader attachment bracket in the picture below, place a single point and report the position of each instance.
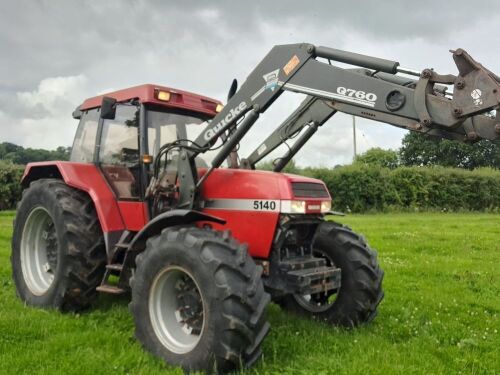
(477, 88)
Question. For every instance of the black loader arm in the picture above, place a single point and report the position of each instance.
(466, 106)
(374, 92)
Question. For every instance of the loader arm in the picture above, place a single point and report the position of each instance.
(376, 94)
(314, 112)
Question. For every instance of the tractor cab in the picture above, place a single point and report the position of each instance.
(123, 131)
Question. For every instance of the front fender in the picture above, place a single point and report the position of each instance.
(169, 219)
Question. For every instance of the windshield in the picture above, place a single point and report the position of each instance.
(167, 127)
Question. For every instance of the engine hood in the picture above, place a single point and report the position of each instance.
(253, 184)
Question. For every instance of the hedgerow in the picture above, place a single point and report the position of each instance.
(363, 188)
(10, 184)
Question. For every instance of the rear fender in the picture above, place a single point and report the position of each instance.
(169, 219)
(86, 177)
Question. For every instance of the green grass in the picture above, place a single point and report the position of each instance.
(440, 313)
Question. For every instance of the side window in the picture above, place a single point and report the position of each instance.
(119, 152)
(84, 143)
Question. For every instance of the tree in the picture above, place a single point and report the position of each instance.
(379, 157)
(289, 168)
(421, 150)
(7, 148)
(62, 153)
(20, 155)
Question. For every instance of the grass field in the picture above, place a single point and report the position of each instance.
(440, 315)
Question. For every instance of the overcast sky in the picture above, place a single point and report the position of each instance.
(54, 54)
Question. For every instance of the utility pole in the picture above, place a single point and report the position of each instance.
(354, 135)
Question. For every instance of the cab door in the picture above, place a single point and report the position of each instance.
(119, 161)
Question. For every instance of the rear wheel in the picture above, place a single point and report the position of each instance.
(58, 255)
(361, 281)
(198, 300)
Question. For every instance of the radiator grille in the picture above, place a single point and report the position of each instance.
(309, 190)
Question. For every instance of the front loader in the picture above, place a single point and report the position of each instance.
(145, 206)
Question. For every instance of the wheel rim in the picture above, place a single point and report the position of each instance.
(176, 309)
(318, 302)
(39, 251)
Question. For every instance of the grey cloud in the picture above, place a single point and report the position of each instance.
(200, 46)
(59, 38)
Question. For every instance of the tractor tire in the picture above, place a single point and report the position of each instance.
(361, 280)
(198, 300)
(58, 254)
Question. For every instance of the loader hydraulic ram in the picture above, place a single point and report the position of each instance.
(202, 250)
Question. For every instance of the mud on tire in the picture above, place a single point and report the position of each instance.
(361, 280)
(228, 286)
(58, 254)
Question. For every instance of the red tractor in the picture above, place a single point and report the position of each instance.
(145, 206)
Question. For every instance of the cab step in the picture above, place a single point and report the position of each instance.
(122, 245)
(110, 289)
(114, 267)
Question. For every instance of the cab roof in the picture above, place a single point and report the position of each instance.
(148, 94)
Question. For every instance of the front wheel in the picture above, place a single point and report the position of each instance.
(198, 300)
(361, 280)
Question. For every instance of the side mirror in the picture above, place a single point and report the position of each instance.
(108, 108)
(77, 113)
(232, 89)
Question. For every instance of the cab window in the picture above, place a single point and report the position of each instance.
(119, 152)
(84, 143)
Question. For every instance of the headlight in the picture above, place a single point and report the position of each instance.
(301, 207)
(326, 206)
(293, 207)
